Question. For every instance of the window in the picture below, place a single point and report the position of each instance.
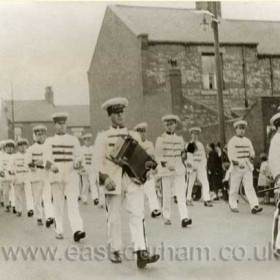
(77, 131)
(18, 133)
(209, 71)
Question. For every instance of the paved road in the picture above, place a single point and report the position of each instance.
(212, 248)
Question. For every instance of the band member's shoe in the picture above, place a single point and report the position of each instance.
(30, 213)
(208, 203)
(96, 201)
(167, 222)
(79, 235)
(115, 257)
(144, 258)
(189, 203)
(39, 222)
(19, 214)
(14, 210)
(2, 204)
(155, 213)
(234, 210)
(49, 222)
(186, 222)
(216, 199)
(59, 236)
(7, 209)
(256, 210)
(175, 199)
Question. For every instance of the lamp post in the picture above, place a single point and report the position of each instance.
(219, 75)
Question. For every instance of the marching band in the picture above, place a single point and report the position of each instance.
(47, 175)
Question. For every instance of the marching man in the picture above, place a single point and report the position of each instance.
(119, 186)
(5, 173)
(89, 173)
(196, 168)
(169, 149)
(22, 186)
(241, 154)
(40, 186)
(149, 186)
(274, 164)
(62, 158)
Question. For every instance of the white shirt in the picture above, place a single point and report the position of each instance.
(274, 155)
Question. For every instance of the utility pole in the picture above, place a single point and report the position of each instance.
(219, 76)
(13, 112)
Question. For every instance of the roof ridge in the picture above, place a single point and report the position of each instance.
(153, 7)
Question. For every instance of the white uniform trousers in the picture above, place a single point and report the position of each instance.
(177, 182)
(102, 202)
(89, 183)
(19, 196)
(69, 187)
(28, 196)
(236, 178)
(12, 196)
(6, 192)
(37, 189)
(276, 229)
(201, 175)
(150, 192)
(47, 199)
(134, 197)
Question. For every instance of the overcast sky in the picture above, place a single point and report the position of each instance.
(51, 43)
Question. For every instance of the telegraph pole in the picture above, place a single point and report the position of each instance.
(219, 76)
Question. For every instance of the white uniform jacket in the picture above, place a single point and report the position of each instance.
(19, 167)
(105, 141)
(274, 155)
(5, 165)
(240, 149)
(168, 150)
(62, 151)
(34, 156)
(87, 154)
(197, 159)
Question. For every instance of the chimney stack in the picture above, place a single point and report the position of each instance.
(49, 94)
(212, 7)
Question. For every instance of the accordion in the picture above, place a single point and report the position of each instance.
(133, 158)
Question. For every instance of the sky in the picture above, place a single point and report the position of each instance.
(52, 43)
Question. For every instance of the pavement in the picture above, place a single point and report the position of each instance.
(218, 245)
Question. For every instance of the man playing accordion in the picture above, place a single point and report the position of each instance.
(119, 186)
(274, 164)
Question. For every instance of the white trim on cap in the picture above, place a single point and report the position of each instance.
(39, 127)
(88, 135)
(114, 101)
(170, 117)
(240, 122)
(60, 115)
(141, 125)
(195, 128)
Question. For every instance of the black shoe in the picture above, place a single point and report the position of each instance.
(256, 210)
(79, 198)
(49, 222)
(144, 258)
(115, 257)
(155, 213)
(96, 201)
(175, 199)
(2, 204)
(14, 210)
(7, 209)
(79, 235)
(216, 199)
(276, 253)
(30, 213)
(186, 222)
(39, 222)
(208, 203)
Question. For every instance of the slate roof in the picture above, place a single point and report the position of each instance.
(184, 26)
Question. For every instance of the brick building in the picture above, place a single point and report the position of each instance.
(163, 61)
(29, 113)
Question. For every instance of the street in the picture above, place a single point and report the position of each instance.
(219, 245)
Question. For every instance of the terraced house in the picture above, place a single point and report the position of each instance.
(163, 61)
